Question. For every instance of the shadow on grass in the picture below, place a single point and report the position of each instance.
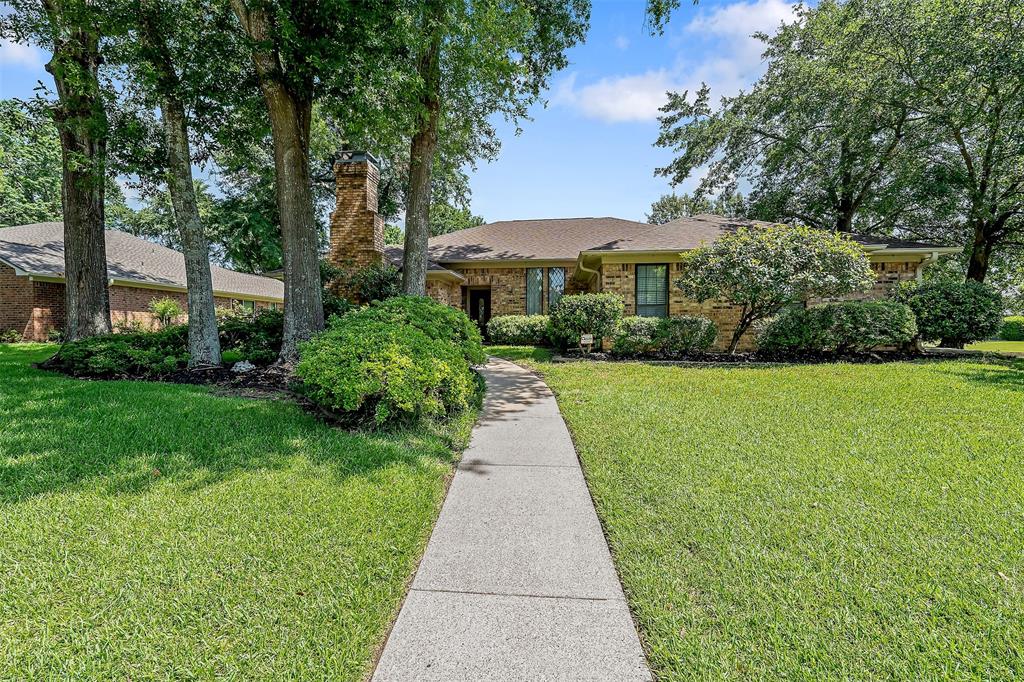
(59, 434)
(996, 372)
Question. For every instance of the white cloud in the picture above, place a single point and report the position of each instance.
(732, 62)
(621, 42)
(627, 98)
(22, 55)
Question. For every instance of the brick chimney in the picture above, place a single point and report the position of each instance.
(357, 232)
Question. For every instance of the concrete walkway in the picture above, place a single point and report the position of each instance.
(517, 582)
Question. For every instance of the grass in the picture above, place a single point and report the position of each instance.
(158, 531)
(998, 346)
(811, 522)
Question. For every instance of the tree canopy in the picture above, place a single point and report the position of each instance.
(875, 116)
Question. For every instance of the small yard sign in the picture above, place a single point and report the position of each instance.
(587, 340)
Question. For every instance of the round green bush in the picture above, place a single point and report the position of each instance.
(579, 314)
(370, 370)
(851, 326)
(436, 320)
(1013, 329)
(685, 334)
(519, 330)
(953, 312)
(635, 336)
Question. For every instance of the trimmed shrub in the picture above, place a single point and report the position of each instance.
(953, 312)
(1013, 329)
(10, 336)
(519, 330)
(685, 334)
(436, 320)
(635, 335)
(851, 326)
(256, 336)
(147, 354)
(866, 325)
(579, 314)
(367, 368)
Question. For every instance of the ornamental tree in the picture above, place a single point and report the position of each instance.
(763, 269)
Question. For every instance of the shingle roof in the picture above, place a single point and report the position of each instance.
(565, 238)
(38, 250)
(393, 254)
(551, 239)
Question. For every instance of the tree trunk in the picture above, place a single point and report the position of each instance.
(203, 337)
(981, 249)
(82, 123)
(421, 162)
(290, 121)
(303, 299)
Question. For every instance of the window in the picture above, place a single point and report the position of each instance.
(556, 285)
(652, 290)
(248, 306)
(534, 290)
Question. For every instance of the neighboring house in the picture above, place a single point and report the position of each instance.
(32, 280)
(524, 266)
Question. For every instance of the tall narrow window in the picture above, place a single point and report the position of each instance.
(556, 285)
(652, 290)
(534, 290)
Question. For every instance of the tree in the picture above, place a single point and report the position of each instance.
(445, 218)
(762, 270)
(167, 48)
(71, 30)
(819, 136)
(29, 165)
(303, 52)
(962, 63)
(475, 60)
(670, 207)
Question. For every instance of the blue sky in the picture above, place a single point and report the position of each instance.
(590, 151)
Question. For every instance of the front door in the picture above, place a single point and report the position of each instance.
(480, 307)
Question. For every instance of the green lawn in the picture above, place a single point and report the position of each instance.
(811, 522)
(157, 531)
(999, 346)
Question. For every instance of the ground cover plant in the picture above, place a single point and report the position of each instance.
(156, 531)
(828, 521)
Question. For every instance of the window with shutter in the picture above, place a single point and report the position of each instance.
(652, 290)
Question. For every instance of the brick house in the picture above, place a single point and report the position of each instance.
(32, 280)
(524, 266)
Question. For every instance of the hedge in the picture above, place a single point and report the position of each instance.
(678, 335)
(519, 330)
(852, 326)
(1013, 328)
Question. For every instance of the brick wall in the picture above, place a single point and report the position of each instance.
(36, 308)
(449, 293)
(15, 301)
